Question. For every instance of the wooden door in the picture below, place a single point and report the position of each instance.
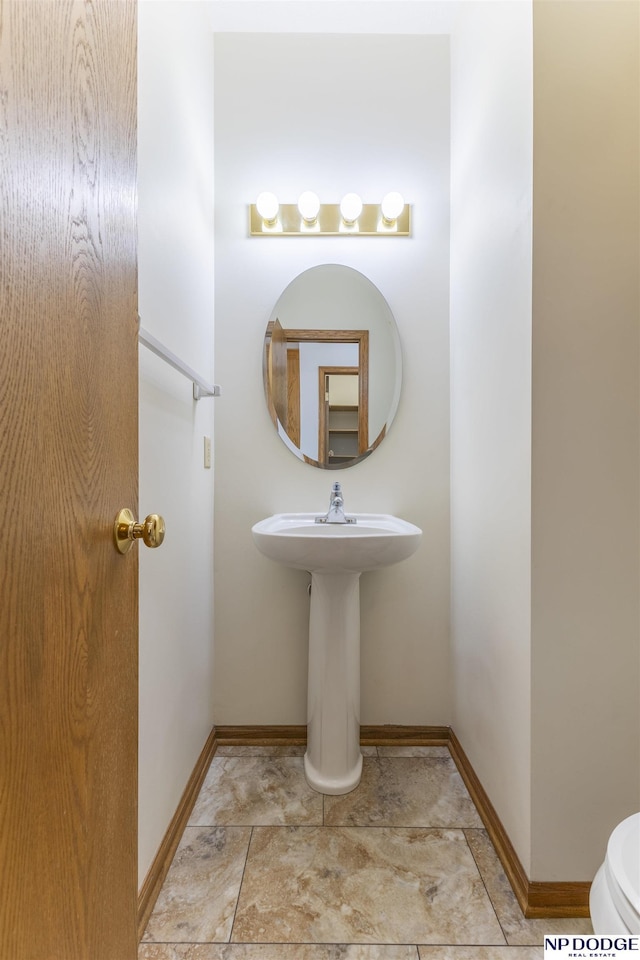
(293, 393)
(68, 462)
(278, 372)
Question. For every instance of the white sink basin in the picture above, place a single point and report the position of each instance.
(375, 540)
(335, 554)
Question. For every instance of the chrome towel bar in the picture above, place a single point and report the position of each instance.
(200, 387)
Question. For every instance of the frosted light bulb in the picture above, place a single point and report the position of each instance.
(392, 206)
(267, 206)
(350, 208)
(309, 206)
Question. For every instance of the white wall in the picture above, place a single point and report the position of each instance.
(585, 535)
(331, 113)
(491, 204)
(175, 238)
(544, 422)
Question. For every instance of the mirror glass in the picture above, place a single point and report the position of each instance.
(332, 366)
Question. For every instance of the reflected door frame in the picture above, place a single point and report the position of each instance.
(283, 398)
(361, 337)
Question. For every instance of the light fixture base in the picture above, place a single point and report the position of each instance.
(330, 223)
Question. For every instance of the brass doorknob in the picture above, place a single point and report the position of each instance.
(126, 530)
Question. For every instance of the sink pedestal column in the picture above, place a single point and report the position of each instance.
(333, 762)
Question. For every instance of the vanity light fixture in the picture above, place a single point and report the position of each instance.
(310, 218)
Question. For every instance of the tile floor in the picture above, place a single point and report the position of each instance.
(399, 869)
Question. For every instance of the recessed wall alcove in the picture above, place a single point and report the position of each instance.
(515, 444)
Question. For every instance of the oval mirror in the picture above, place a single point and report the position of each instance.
(332, 366)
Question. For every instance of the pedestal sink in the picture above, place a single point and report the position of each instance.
(335, 554)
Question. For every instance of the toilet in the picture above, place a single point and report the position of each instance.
(614, 900)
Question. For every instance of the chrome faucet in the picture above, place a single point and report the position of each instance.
(335, 513)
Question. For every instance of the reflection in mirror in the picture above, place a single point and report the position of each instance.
(332, 366)
(342, 433)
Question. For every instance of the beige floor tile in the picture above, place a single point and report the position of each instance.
(256, 790)
(402, 751)
(362, 885)
(277, 951)
(405, 792)
(534, 931)
(481, 953)
(199, 895)
(518, 930)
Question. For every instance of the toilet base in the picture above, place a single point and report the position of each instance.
(615, 892)
(604, 916)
